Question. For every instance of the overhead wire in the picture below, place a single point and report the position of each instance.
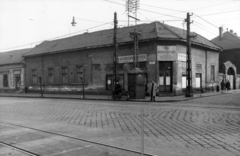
(205, 20)
(220, 13)
(58, 37)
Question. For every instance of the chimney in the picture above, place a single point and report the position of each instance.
(220, 33)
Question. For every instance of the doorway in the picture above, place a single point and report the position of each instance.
(17, 81)
(165, 76)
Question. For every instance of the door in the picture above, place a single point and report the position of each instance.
(165, 76)
(17, 81)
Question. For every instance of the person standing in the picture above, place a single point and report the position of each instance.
(222, 86)
(228, 85)
(153, 91)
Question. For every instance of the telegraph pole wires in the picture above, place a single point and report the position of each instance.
(189, 63)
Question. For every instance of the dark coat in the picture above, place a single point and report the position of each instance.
(222, 85)
(228, 85)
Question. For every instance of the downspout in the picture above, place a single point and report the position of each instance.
(206, 71)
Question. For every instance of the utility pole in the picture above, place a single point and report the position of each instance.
(135, 35)
(115, 48)
(189, 63)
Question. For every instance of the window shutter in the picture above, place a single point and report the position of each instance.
(45, 76)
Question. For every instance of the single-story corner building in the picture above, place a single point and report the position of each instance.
(162, 57)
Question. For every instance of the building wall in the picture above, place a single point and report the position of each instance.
(98, 65)
(11, 71)
(232, 55)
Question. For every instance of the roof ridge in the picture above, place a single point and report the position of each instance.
(169, 29)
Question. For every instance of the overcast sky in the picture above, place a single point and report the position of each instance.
(25, 23)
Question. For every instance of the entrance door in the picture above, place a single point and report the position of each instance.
(17, 81)
(165, 76)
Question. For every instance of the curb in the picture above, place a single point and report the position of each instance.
(74, 98)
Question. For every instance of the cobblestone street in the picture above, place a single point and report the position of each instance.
(203, 128)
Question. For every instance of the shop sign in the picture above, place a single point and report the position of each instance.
(182, 57)
(129, 58)
(166, 53)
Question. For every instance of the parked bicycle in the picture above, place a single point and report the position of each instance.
(120, 95)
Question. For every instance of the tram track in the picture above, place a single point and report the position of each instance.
(21, 150)
(66, 136)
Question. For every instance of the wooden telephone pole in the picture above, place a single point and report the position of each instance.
(115, 48)
(189, 63)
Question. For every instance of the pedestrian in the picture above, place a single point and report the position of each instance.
(222, 86)
(153, 91)
(228, 85)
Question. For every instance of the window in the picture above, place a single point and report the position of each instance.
(5, 80)
(143, 65)
(110, 81)
(64, 75)
(212, 77)
(34, 76)
(109, 67)
(79, 73)
(50, 76)
(184, 80)
(198, 80)
(96, 67)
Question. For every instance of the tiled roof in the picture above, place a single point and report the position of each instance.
(155, 30)
(229, 41)
(12, 57)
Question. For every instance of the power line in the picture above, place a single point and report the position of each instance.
(203, 28)
(220, 13)
(206, 20)
(52, 38)
(207, 6)
(196, 9)
(203, 25)
(88, 20)
(147, 10)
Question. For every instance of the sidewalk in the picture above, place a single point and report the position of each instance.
(108, 97)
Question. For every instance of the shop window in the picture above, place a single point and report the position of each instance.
(198, 80)
(34, 76)
(50, 75)
(64, 75)
(96, 67)
(110, 81)
(5, 80)
(79, 73)
(184, 80)
(212, 77)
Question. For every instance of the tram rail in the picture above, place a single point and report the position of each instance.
(67, 136)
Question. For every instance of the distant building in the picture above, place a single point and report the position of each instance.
(162, 56)
(229, 57)
(12, 70)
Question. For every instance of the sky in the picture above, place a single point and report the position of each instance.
(26, 23)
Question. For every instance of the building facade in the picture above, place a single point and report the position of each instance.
(229, 57)
(12, 70)
(63, 64)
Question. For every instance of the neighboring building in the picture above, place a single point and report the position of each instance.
(162, 56)
(229, 57)
(12, 70)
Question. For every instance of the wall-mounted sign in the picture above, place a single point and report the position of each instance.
(182, 57)
(152, 62)
(129, 58)
(166, 53)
